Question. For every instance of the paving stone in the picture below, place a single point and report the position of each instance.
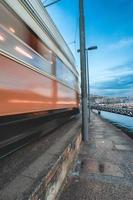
(123, 147)
(100, 167)
(99, 136)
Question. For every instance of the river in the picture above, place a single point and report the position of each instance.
(123, 122)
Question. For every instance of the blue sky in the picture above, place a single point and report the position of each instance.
(109, 25)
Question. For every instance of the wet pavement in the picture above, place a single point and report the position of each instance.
(104, 167)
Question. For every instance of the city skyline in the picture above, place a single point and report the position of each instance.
(109, 25)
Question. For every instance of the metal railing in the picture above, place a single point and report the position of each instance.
(121, 111)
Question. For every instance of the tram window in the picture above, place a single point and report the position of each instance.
(10, 45)
(77, 83)
(16, 26)
(64, 74)
(59, 69)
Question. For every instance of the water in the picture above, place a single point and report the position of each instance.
(123, 122)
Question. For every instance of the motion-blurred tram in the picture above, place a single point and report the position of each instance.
(39, 85)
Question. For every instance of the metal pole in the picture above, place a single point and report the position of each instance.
(83, 73)
(88, 83)
(50, 4)
(87, 69)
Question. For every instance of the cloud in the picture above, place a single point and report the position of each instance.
(126, 66)
(123, 82)
(115, 72)
(123, 43)
(113, 93)
(120, 85)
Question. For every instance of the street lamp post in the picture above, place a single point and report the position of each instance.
(88, 82)
(87, 76)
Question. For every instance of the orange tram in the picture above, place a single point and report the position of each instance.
(39, 85)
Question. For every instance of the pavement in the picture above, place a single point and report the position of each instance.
(104, 167)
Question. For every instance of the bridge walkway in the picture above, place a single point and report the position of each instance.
(104, 167)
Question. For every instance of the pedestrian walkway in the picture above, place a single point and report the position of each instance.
(104, 167)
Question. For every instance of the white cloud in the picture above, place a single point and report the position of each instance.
(113, 73)
(125, 42)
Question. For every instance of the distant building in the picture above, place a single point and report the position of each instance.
(96, 99)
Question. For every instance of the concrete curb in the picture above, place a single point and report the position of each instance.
(52, 182)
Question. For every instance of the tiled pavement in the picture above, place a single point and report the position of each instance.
(104, 167)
